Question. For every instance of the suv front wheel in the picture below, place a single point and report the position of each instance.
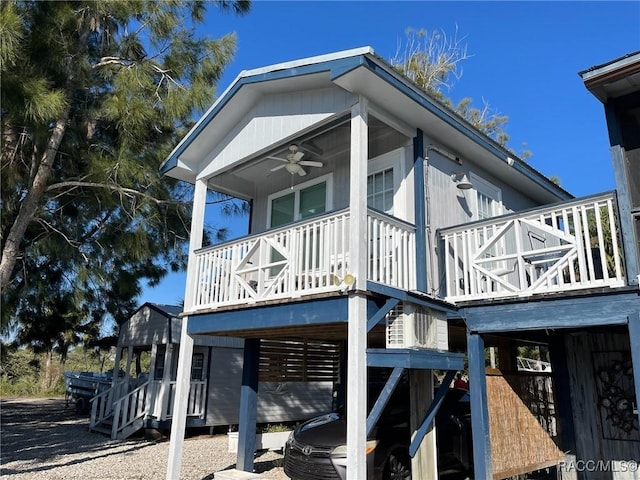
(398, 466)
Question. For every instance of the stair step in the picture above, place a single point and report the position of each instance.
(102, 429)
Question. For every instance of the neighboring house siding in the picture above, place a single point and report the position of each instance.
(147, 327)
(276, 402)
(275, 117)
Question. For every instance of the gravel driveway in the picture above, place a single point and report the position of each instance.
(44, 439)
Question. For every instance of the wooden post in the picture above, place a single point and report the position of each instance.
(562, 392)
(357, 327)
(152, 390)
(183, 380)
(127, 373)
(424, 465)
(116, 366)
(483, 468)
(422, 254)
(165, 384)
(248, 405)
(180, 402)
(634, 340)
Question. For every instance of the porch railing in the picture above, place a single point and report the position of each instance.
(130, 409)
(568, 246)
(196, 402)
(308, 257)
(102, 404)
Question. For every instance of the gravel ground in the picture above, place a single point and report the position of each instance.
(45, 439)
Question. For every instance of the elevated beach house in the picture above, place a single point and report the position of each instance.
(385, 225)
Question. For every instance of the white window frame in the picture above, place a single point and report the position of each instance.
(328, 178)
(392, 160)
(480, 185)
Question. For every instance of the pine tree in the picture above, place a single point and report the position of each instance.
(94, 96)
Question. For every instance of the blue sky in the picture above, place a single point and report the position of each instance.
(524, 61)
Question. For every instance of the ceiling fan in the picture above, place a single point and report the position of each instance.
(293, 162)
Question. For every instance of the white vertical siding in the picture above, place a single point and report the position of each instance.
(275, 117)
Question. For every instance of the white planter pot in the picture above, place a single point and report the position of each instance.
(264, 441)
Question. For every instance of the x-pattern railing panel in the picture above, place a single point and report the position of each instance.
(563, 247)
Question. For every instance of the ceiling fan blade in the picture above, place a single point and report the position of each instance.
(297, 156)
(278, 167)
(310, 163)
(300, 171)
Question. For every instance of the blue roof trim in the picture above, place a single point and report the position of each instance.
(452, 119)
(341, 66)
(336, 68)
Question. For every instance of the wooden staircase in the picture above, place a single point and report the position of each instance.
(119, 413)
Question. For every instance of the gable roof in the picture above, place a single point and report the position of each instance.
(169, 311)
(361, 72)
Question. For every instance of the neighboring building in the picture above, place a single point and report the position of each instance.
(146, 400)
(386, 225)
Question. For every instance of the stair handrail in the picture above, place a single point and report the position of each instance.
(129, 408)
(102, 404)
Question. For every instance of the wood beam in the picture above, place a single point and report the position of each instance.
(611, 308)
(419, 199)
(383, 398)
(483, 468)
(248, 405)
(380, 314)
(634, 340)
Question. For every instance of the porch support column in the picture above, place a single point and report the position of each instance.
(180, 402)
(127, 373)
(634, 340)
(179, 419)
(116, 366)
(153, 402)
(479, 410)
(165, 385)
(424, 464)
(562, 387)
(357, 327)
(248, 405)
(420, 212)
(629, 240)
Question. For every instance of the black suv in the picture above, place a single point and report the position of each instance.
(317, 450)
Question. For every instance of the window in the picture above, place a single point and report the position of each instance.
(488, 198)
(385, 174)
(306, 200)
(197, 366)
(158, 370)
(380, 191)
(488, 204)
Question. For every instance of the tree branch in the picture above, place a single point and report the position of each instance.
(129, 192)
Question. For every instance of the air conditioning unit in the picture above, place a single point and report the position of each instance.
(408, 325)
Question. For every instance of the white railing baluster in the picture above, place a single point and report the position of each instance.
(315, 260)
(564, 251)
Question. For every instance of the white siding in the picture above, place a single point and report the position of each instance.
(272, 119)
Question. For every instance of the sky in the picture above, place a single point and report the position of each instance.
(524, 59)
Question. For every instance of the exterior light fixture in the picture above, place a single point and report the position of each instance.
(461, 180)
